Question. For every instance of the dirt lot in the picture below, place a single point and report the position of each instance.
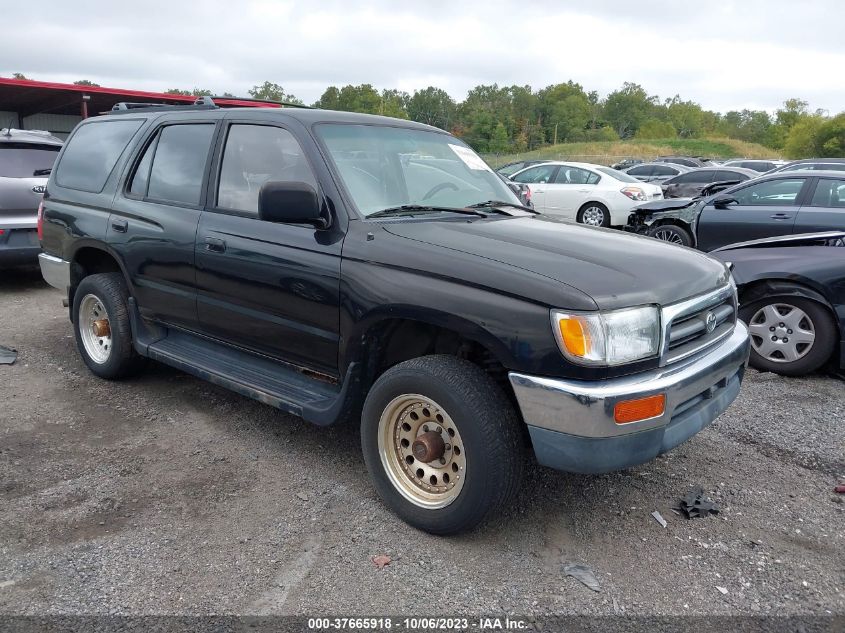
(165, 494)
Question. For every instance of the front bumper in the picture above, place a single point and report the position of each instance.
(572, 425)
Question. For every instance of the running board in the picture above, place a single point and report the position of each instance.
(263, 379)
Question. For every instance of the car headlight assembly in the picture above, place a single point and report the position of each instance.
(608, 338)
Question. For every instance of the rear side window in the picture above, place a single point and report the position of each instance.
(173, 165)
(575, 176)
(640, 171)
(92, 153)
(25, 160)
(661, 170)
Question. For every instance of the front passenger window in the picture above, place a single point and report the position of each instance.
(253, 155)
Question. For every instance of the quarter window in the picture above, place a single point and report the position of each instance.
(92, 153)
(254, 155)
(829, 193)
(770, 193)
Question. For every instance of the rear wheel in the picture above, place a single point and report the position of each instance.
(792, 336)
(442, 443)
(671, 233)
(101, 326)
(594, 214)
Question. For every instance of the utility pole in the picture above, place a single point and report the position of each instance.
(555, 142)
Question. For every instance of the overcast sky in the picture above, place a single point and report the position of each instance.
(724, 54)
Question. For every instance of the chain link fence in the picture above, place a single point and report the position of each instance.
(497, 160)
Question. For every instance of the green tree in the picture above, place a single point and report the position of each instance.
(831, 137)
(362, 98)
(273, 92)
(564, 110)
(432, 106)
(654, 128)
(394, 103)
(686, 117)
(19, 76)
(196, 92)
(627, 108)
(802, 141)
(499, 141)
(85, 82)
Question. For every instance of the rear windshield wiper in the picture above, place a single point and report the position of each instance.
(417, 209)
(42, 172)
(494, 205)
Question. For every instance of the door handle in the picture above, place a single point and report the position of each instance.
(781, 216)
(539, 190)
(215, 245)
(119, 225)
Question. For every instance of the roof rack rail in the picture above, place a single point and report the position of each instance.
(202, 103)
(287, 104)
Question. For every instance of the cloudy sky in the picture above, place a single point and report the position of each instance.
(725, 54)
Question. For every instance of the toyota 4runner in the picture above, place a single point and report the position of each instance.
(346, 266)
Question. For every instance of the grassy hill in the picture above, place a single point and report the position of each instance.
(607, 152)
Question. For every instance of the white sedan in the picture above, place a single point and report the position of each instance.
(589, 194)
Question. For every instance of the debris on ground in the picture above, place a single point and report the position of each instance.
(584, 574)
(381, 561)
(722, 590)
(659, 518)
(696, 505)
(7, 355)
(840, 489)
(302, 496)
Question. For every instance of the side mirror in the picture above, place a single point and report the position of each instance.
(290, 203)
(723, 202)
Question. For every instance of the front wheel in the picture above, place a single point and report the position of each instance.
(792, 336)
(442, 443)
(671, 233)
(594, 214)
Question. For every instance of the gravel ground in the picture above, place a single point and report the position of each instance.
(165, 494)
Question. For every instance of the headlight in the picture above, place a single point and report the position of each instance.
(608, 338)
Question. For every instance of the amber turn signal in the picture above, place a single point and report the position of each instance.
(575, 336)
(639, 409)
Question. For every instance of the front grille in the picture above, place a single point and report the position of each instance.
(686, 330)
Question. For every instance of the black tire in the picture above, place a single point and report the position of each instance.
(111, 291)
(671, 233)
(489, 429)
(826, 336)
(598, 205)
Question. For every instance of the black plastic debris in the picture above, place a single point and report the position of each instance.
(695, 505)
(7, 355)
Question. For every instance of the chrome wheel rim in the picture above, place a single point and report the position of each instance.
(594, 216)
(782, 333)
(402, 427)
(91, 316)
(668, 236)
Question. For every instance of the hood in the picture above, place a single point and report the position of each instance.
(667, 204)
(614, 268)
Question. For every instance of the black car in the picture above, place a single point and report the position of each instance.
(692, 183)
(686, 161)
(813, 164)
(760, 166)
(656, 172)
(625, 163)
(792, 296)
(767, 206)
(351, 267)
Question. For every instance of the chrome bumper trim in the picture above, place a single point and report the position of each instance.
(585, 408)
(55, 271)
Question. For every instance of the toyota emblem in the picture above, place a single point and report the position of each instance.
(710, 322)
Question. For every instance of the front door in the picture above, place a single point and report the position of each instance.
(268, 287)
(764, 209)
(154, 220)
(538, 178)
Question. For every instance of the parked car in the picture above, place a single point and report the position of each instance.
(625, 163)
(523, 192)
(686, 161)
(767, 206)
(691, 183)
(294, 256)
(585, 193)
(813, 164)
(760, 166)
(656, 172)
(510, 169)
(792, 296)
(26, 157)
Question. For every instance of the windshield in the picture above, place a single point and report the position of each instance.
(619, 175)
(386, 167)
(24, 160)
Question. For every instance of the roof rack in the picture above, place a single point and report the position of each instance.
(287, 104)
(202, 103)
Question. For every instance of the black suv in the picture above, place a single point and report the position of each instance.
(346, 266)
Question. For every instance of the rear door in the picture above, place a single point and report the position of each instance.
(571, 188)
(537, 178)
(762, 209)
(824, 209)
(154, 220)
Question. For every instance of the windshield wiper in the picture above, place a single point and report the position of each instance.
(415, 209)
(494, 205)
(42, 172)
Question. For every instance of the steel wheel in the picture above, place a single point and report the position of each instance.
(94, 329)
(593, 216)
(668, 236)
(421, 451)
(782, 333)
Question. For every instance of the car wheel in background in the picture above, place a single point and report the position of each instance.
(101, 326)
(442, 443)
(792, 336)
(671, 233)
(594, 214)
